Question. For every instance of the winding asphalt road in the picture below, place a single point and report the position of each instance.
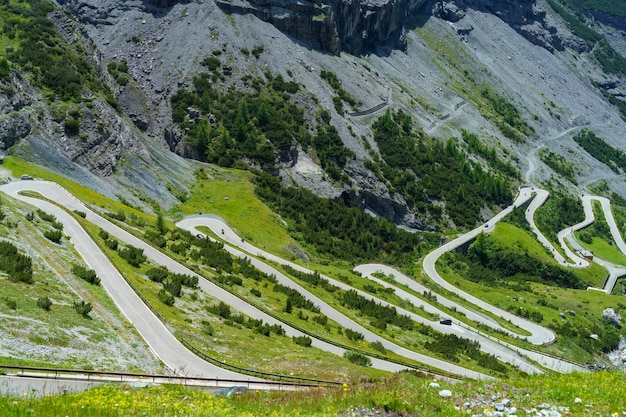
(161, 341)
(179, 359)
(164, 345)
(505, 352)
(539, 335)
(218, 226)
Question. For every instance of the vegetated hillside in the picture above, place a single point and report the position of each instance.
(59, 110)
(52, 308)
(436, 136)
(239, 91)
(399, 395)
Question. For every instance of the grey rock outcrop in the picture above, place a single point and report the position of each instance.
(360, 25)
(613, 316)
(96, 12)
(13, 128)
(15, 108)
(107, 12)
(164, 3)
(334, 26)
(525, 16)
(617, 22)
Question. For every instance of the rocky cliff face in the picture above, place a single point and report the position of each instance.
(525, 16)
(164, 42)
(361, 25)
(353, 26)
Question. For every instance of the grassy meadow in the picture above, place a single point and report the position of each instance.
(598, 394)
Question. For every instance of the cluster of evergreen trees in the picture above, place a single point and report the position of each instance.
(334, 228)
(557, 213)
(508, 120)
(38, 48)
(315, 279)
(382, 314)
(475, 146)
(559, 164)
(610, 60)
(451, 347)
(490, 263)
(295, 299)
(612, 157)
(223, 310)
(424, 171)
(253, 125)
(86, 274)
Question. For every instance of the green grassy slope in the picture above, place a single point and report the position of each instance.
(599, 394)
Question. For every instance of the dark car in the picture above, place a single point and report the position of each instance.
(445, 320)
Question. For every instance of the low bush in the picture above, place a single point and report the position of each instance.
(303, 341)
(357, 358)
(19, 267)
(134, 256)
(53, 235)
(44, 303)
(82, 308)
(165, 297)
(86, 274)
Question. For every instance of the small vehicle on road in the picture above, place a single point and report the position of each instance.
(445, 320)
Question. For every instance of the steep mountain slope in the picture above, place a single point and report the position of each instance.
(462, 64)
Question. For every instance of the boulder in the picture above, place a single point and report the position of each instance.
(13, 128)
(611, 315)
(445, 393)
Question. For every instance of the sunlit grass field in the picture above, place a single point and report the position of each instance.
(598, 394)
(229, 194)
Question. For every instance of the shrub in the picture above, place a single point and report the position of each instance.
(53, 235)
(222, 309)
(71, 126)
(211, 63)
(85, 274)
(44, 303)
(46, 217)
(158, 274)
(174, 287)
(357, 358)
(303, 341)
(11, 303)
(353, 335)
(111, 244)
(82, 308)
(18, 266)
(80, 213)
(156, 239)
(134, 256)
(165, 297)
(378, 345)
(120, 215)
(207, 328)
(257, 51)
